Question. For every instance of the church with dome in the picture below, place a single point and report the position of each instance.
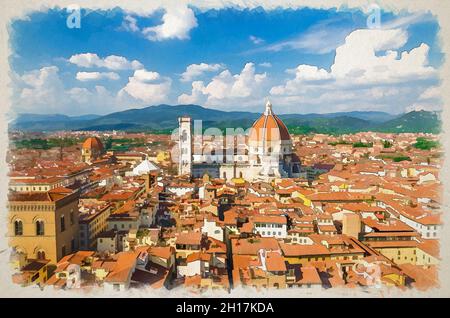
(264, 153)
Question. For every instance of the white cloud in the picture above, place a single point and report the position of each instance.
(43, 91)
(369, 70)
(40, 89)
(432, 92)
(147, 86)
(265, 64)
(195, 96)
(407, 20)
(255, 39)
(195, 70)
(303, 73)
(146, 76)
(359, 59)
(246, 82)
(130, 24)
(112, 62)
(240, 85)
(321, 38)
(177, 22)
(94, 76)
(367, 57)
(226, 89)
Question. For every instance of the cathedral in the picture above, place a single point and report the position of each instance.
(264, 153)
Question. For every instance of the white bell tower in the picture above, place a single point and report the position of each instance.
(185, 146)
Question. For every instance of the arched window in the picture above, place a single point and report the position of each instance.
(40, 254)
(39, 227)
(18, 227)
(224, 175)
(240, 174)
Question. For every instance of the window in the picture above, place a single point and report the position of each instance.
(72, 245)
(41, 254)
(71, 218)
(18, 227)
(63, 223)
(39, 227)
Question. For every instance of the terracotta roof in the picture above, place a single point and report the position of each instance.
(198, 256)
(424, 278)
(339, 196)
(50, 180)
(309, 275)
(37, 196)
(268, 127)
(431, 247)
(275, 262)
(93, 143)
(122, 269)
(253, 245)
(164, 252)
(269, 219)
(191, 238)
(292, 250)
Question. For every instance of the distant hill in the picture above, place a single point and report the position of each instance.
(165, 118)
(40, 122)
(373, 116)
(415, 121)
(32, 118)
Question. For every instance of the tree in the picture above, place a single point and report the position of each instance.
(387, 144)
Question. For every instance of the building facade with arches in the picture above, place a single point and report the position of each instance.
(44, 225)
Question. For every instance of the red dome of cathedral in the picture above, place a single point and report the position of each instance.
(268, 127)
(93, 143)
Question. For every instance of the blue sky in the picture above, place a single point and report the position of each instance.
(303, 60)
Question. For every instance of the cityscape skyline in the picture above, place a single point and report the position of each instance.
(313, 166)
